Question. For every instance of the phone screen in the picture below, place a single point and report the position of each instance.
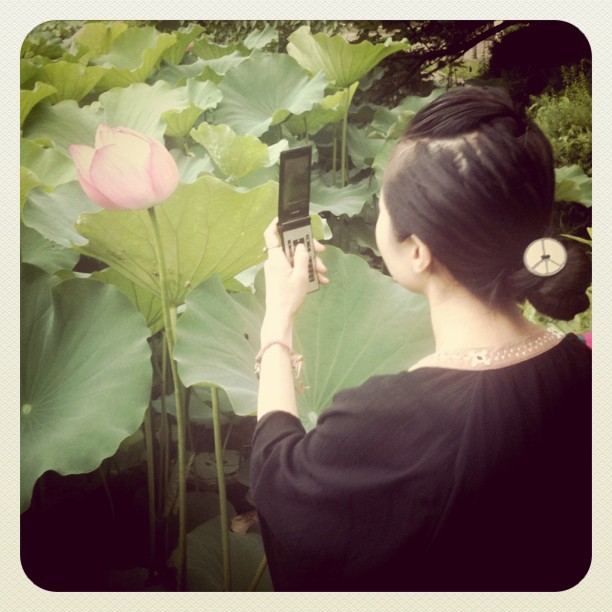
(295, 186)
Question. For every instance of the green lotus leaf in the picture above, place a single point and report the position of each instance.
(207, 227)
(133, 56)
(347, 200)
(361, 232)
(141, 107)
(215, 69)
(207, 49)
(180, 122)
(44, 254)
(63, 124)
(263, 91)
(330, 110)
(362, 149)
(231, 329)
(204, 70)
(381, 161)
(363, 114)
(85, 379)
(360, 325)
(200, 96)
(573, 185)
(146, 303)
(28, 68)
(235, 156)
(205, 559)
(72, 81)
(29, 98)
(192, 165)
(391, 123)
(342, 62)
(259, 39)
(27, 181)
(98, 37)
(43, 41)
(184, 37)
(50, 167)
(179, 75)
(53, 214)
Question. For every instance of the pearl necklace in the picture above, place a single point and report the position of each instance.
(493, 358)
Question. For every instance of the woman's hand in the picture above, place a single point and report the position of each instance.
(286, 286)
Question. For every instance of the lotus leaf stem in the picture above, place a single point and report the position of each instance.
(227, 573)
(169, 315)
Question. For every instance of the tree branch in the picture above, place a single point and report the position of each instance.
(460, 48)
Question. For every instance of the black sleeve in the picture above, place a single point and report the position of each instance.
(318, 494)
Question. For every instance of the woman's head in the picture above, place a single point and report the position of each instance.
(475, 182)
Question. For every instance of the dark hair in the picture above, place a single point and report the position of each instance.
(475, 181)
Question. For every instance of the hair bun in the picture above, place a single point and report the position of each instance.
(563, 295)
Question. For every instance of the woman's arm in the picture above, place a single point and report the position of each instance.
(285, 292)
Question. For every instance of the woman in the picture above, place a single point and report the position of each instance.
(471, 471)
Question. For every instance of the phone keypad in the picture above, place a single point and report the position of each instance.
(306, 242)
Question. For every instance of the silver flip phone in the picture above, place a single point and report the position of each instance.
(293, 207)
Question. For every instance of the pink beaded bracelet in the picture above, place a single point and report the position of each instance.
(296, 362)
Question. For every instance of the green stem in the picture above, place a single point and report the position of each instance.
(334, 152)
(258, 574)
(163, 429)
(169, 314)
(227, 576)
(148, 427)
(344, 127)
(227, 435)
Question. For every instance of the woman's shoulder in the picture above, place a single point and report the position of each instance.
(403, 395)
(404, 384)
(433, 392)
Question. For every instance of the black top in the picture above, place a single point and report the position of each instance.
(434, 480)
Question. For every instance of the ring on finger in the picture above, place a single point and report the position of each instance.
(268, 248)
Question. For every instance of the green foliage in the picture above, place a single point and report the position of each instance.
(573, 185)
(207, 228)
(205, 565)
(85, 377)
(566, 119)
(274, 33)
(264, 91)
(236, 156)
(342, 63)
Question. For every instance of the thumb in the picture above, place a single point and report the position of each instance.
(300, 257)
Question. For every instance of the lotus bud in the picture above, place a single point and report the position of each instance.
(125, 170)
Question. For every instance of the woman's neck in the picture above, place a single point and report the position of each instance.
(460, 320)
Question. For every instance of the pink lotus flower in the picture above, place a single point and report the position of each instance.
(588, 338)
(125, 169)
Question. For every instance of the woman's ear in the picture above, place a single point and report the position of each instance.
(420, 255)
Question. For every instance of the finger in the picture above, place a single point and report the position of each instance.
(318, 247)
(320, 266)
(300, 263)
(300, 257)
(321, 270)
(271, 235)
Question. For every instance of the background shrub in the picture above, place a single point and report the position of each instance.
(565, 118)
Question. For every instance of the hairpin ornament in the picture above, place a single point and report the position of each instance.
(545, 257)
